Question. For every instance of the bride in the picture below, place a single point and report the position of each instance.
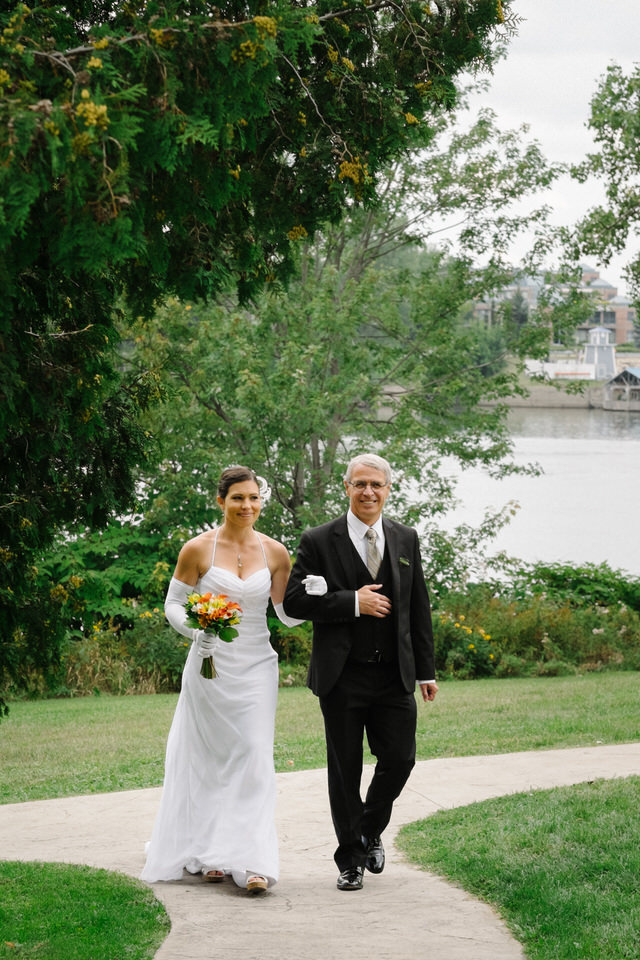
(217, 810)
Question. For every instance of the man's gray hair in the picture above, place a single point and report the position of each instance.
(369, 460)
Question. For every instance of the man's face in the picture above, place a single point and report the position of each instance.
(366, 502)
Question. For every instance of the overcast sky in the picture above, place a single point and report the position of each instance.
(547, 80)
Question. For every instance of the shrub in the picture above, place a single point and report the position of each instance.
(590, 583)
(495, 630)
(147, 658)
(292, 644)
(463, 650)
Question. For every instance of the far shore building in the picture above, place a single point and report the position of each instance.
(622, 392)
(612, 312)
(596, 361)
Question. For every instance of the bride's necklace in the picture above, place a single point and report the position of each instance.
(239, 561)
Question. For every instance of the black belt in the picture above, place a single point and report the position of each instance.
(376, 658)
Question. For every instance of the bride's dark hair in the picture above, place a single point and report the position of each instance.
(234, 474)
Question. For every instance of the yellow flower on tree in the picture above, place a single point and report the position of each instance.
(297, 233)
(266, 25)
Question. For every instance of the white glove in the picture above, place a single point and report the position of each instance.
(315, 586)
(177, 616)
(206, 643)
(283, 618)
(174, 608)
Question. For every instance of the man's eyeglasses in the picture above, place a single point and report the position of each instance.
(363, 484)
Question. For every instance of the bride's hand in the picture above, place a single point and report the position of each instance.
(206, 643)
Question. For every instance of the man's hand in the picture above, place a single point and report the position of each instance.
(428, 691)
(371, 603)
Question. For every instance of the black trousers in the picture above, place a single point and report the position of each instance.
(368, 698)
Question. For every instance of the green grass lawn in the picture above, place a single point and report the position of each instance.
(54, 911)
(543, 859)
(561, 866)
(55, 748)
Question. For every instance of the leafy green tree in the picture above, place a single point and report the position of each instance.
(371, 344)
(172, 147)
(607, 229)
(368, 346)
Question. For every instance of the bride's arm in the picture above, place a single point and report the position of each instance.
(186, 574)
(280, 570)
(192, 561)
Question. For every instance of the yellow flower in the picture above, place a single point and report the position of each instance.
(354, 170)
(266, 25)
(297, 233)
(471, 646)
(246, 51)
(101, 44)
(4, 78)
(94, 63)
(409, 117)
(94, 114)
(333, 55)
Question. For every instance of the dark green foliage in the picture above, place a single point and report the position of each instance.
(591, 583)
(150, 148)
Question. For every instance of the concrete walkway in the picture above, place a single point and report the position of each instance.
(402, 913)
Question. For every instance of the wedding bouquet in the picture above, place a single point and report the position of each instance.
(213, 615)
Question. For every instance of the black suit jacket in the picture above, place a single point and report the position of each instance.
(327, 551)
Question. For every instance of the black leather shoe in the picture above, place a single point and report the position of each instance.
(375, 855)
(351, 879)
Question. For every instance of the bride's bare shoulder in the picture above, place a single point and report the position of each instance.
(195, 556)
(274, 548)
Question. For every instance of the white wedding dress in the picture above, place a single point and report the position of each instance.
(218, 801)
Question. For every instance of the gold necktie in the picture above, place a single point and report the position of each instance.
(373, 557)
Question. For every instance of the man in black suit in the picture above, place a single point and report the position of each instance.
(359, 579)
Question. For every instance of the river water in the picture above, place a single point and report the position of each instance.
(585, 507)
